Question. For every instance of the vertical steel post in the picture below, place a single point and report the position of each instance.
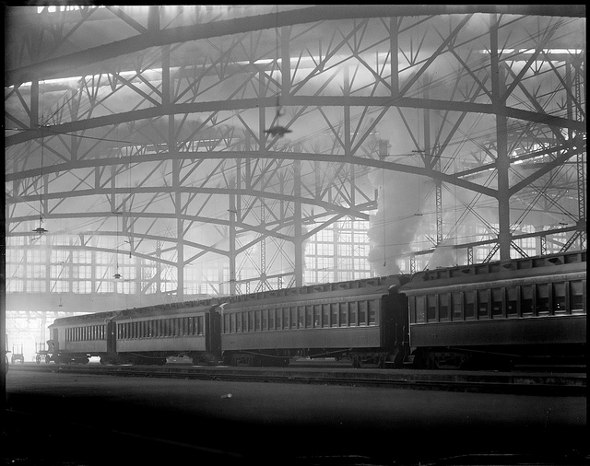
(393, 47)
(297, 221)
(167, 98)
(502, 160)
(232, 239)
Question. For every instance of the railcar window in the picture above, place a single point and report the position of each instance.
(226, 323)
(150, 328)
(431, 309)
(373, 306)
(325, 315)
(278, 318)
(257, 320)
(317, 311)
(308, 316)
(301, 316)
(293, 317)
(420, 309)
(251, 321)
(577, 296)
(526, 299)
(285, 317)
(343, 315)
(497, 301)
(200, 326)
(334, 315)
(470, 304)
(457, 304)
(443, 306)
(543, 298)
(362, 313)
(412, 309)
(483, 302)
(353, 313)
(559, 304)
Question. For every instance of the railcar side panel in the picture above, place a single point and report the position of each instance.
(533, 331)
(358, 337)
(173, 344)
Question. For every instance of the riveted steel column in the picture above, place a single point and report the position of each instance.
(167, 98)
(285, 65)
(232, 237)
(346, 86)
(502, 160)
(393, 47)
(34, 110)
(298, 235)
(573, 83)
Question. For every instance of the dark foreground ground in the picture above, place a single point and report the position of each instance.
(77, 419)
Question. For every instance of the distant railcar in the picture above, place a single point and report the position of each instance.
(140, 336)
(525, 311)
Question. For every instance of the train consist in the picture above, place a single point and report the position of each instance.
(492, 315)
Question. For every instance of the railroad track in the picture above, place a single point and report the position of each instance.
(552, 384)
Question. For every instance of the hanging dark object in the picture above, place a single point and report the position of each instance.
(277, 130)
(40, 230)
(117, 274)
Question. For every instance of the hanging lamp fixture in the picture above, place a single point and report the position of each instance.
(276, 130)
(117, 275)
(40, 230)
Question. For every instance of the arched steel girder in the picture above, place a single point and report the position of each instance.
(315, 101)
(393, 166)
(357, 212)
(148, 257)
(157, 37)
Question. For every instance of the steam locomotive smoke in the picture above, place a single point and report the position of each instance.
(401, 199)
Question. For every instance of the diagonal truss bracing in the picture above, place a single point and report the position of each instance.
(171, 129)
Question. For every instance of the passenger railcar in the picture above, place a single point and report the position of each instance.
(140, 336)
(525, 311)
(364, 320)
(499, 314)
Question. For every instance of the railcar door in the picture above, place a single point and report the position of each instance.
(213, 332)
(111, 337)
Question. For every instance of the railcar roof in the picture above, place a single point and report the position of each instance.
(148, 311)
(514, 268)
(353, 287)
